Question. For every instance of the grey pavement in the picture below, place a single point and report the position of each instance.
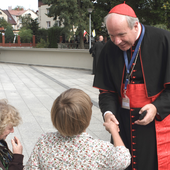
(32, 90)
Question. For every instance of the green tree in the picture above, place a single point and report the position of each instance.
(9, 35)
(25, 35)
(20, 8)
(34, 26)
(73, 14)
(3, 23)
(25, 20)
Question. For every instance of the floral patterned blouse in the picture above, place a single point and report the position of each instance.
(81, 152)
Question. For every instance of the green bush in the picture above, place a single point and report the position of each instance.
(42, 44)
(0, 37)
(42, 34)
(9, 35)
(54, 34)
(25, 35)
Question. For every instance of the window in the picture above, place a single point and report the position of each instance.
(58, 23)
(47, 10)
(48, 24)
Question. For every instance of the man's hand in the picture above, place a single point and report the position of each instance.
(110, 126)
(110, 122)
(151, 112)
(16, 146)
(110, 117)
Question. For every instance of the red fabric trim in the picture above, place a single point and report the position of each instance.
(163, 143)
(105, 90)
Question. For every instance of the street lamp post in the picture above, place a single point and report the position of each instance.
(90, 11)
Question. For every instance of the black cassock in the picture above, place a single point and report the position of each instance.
(153, 71)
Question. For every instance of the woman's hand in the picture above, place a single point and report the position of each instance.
(16, 146)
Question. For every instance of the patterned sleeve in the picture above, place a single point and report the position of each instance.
(118, 157)
(33, 162)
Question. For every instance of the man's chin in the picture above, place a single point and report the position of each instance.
(124, 48)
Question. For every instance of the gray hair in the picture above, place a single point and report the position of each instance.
(130, 20)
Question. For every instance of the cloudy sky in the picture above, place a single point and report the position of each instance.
(27, 4)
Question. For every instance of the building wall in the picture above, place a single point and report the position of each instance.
(33, 14)
(43, 19)
(3, 15)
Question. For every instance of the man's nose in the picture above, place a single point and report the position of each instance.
(117, 40)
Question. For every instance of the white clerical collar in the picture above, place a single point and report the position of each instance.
(139, 30)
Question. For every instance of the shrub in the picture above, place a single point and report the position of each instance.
(54, 36)
(42, 34)
(42, 44)
(25, 35)
(9, 35)
(0, 37)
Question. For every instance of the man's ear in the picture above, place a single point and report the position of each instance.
(136, 26)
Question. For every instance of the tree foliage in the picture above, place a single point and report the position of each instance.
(25, 35)
(25, 20)
(20, 8)
(3, 23)
(73, 14)
(9, 35)
(34, 26)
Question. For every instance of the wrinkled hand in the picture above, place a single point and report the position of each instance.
(110, 126)
(151, 112)
(16, 146)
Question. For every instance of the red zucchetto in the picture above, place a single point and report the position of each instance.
(123, 9)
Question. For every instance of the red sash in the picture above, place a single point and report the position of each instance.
(138, 98)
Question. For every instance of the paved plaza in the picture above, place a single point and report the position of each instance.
(32, 90)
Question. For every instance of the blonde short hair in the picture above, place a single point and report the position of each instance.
(8, 115)
(71, 112)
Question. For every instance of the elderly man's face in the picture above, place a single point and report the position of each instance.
(120, 34)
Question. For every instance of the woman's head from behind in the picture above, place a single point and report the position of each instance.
(71, 112)
(9, 118)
